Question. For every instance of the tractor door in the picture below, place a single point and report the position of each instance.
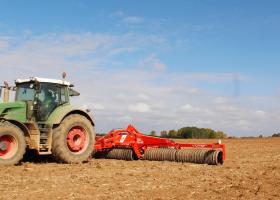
(50, 97)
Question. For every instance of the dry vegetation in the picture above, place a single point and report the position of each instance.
(252, 171)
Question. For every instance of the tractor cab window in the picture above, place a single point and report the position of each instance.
(25, 92)
(50, 97)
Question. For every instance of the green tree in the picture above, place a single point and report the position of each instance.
(153, 133)
(194, 132)
(172, 134)
(185, 132)
(220, 135)
(163, 134)
(276, 135)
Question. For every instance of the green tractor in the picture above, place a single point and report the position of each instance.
(43, 120)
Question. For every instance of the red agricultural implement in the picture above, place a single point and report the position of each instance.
(130, 144)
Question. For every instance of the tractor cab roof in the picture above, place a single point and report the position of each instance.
(43, 80)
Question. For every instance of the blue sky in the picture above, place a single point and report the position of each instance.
(205, 63)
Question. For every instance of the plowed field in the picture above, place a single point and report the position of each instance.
(251, 171)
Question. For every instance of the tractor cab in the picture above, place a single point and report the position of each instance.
(43, 120)
(42, 95)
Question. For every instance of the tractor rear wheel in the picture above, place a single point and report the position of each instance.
(12, 144)
(73, 139)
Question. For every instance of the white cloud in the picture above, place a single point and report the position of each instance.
(195, 111)
(118, 13)
(123, 50)
(127, 19)
(126, 118)
(133, 19)
(4, 43)
(121, 96)
(159, 66)
(140, 107)
(220, 100)
(216, 77)
(193, 90)
(228, 108)
(139, 94)
(152, 62)
(143, 97)
(97, 106)
(260, 113)
(187, 108)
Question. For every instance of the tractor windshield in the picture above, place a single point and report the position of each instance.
(25, 92)
(51, 96)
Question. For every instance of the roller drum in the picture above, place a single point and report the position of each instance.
(160, 154)
(200, 156)
(120, 154)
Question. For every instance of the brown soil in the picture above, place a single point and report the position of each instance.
(251, 171)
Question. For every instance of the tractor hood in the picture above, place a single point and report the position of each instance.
(13, 111)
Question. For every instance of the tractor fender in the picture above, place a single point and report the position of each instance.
(30, 141)
(63, 111)
(20, 125)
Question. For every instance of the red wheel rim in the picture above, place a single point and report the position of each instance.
(77, 140)
(8, 146)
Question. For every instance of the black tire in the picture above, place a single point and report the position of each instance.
(13, 144)
(61, 150)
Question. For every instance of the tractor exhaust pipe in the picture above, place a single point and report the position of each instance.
(6, 92)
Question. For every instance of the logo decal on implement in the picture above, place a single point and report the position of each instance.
(123, 138)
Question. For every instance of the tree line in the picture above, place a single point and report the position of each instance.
(276, 135)
(192, 133)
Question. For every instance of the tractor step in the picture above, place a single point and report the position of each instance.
(45, 132)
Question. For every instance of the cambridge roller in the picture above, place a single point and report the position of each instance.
(130, 144)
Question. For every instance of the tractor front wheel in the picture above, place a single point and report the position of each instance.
(12, 144)
(73, 139)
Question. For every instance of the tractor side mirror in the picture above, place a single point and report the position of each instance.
(73, 93)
